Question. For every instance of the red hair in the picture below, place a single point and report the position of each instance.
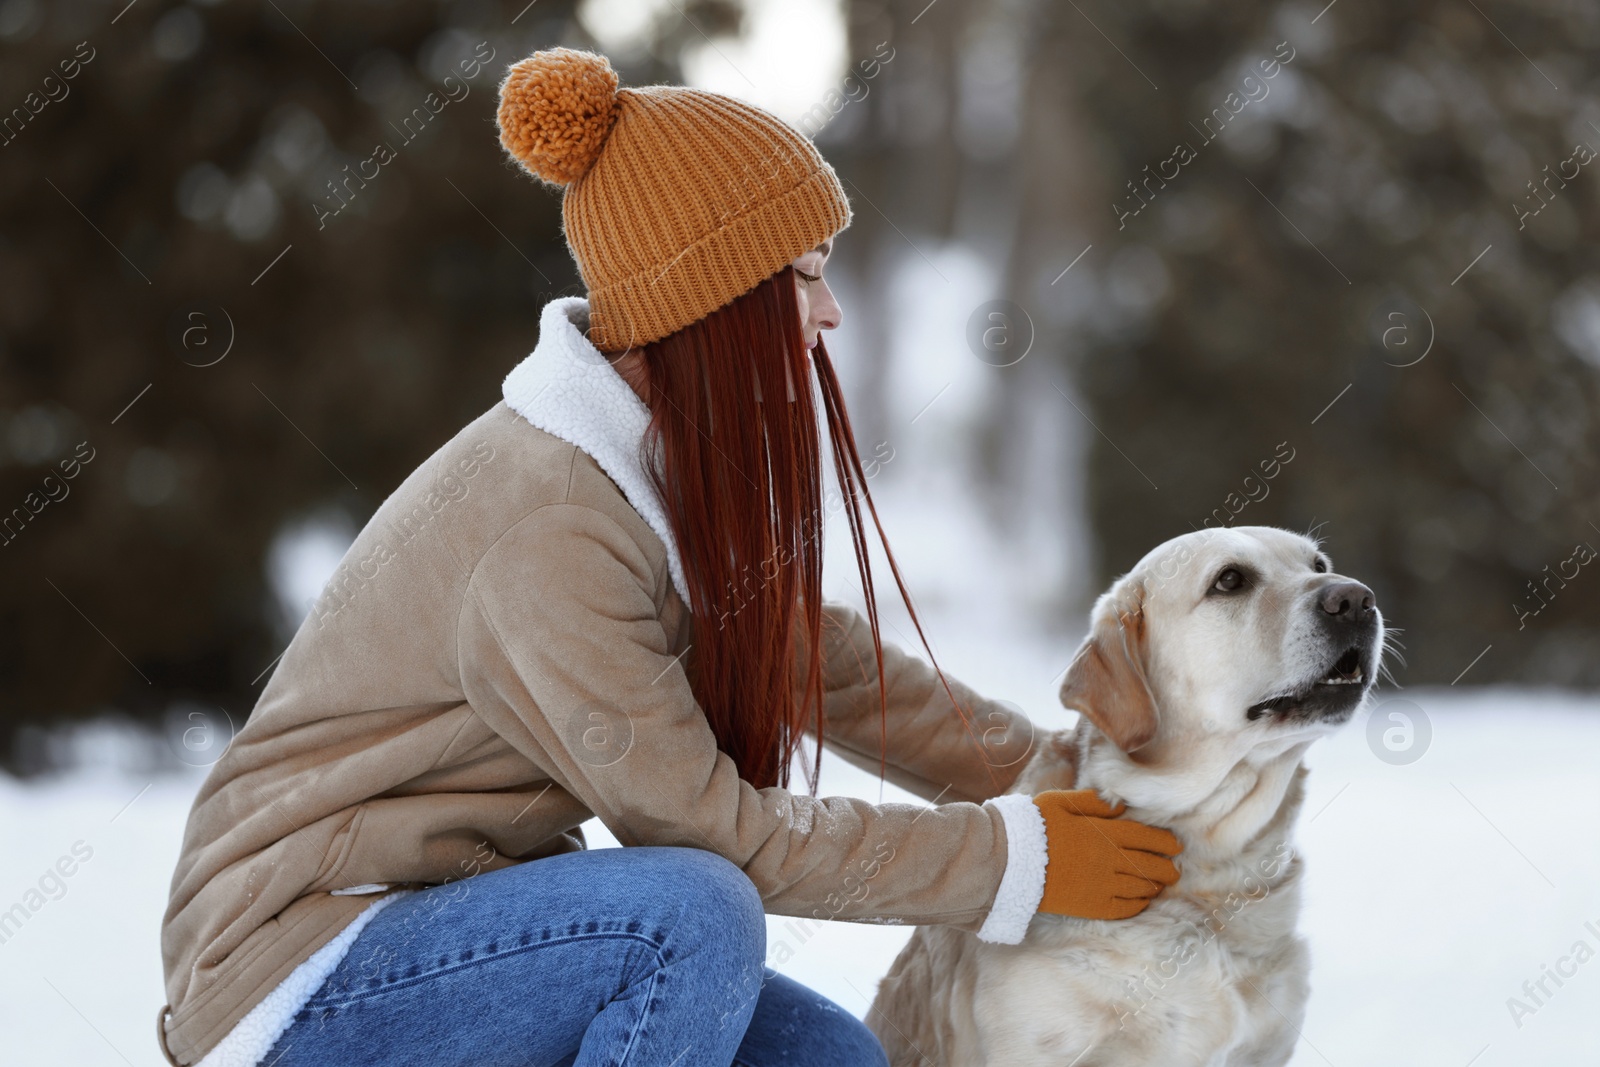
(734, 447)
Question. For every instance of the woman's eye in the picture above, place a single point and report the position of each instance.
(808, 277)
(1229, 581)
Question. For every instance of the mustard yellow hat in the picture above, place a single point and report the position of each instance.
(676, 200)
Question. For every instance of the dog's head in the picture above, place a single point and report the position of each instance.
(1243, 636)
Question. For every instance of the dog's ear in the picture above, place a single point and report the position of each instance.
(1107, 681)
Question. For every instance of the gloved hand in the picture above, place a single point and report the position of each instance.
(1101, 867)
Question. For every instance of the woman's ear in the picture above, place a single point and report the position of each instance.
(1107, 679)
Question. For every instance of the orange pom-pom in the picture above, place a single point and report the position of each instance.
(556, 109)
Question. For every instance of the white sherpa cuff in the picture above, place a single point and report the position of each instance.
(1022, 884)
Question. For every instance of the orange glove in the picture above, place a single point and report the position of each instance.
(1101, 867)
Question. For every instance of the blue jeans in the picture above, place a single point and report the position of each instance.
(637, 956)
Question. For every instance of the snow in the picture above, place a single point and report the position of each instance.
(1434, 889)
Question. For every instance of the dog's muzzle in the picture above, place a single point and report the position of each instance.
(1348, 618)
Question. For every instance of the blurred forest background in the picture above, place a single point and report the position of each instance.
(1111, 266)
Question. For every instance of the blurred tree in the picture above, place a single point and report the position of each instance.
(181, 182)
(208, 179)
(1351, 246)
(1344, 272)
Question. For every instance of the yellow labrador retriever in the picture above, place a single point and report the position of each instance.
(1208, 670)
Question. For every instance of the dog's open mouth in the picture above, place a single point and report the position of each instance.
(1346, 670)
(1334, 694)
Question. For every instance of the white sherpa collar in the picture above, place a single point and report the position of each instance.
(567, 388)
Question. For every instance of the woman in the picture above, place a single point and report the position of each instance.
(602, 598)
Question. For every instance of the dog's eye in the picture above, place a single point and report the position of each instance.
(1231, 580)
(1320, 565)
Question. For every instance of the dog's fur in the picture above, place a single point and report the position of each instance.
(1196, 707)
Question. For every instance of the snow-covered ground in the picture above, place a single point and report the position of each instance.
(1436, 890)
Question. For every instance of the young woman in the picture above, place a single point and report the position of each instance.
(602, 598)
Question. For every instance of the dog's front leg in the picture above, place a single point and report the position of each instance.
(1276, 1002)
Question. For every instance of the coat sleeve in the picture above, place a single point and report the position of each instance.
(562, 652)
(930, 749)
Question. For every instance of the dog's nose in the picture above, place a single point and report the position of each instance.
(1348, 602)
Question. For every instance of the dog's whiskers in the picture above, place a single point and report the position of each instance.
(1391, 651)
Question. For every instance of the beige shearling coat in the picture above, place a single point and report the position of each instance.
(497, 659)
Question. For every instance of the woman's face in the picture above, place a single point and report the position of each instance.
(818, 309)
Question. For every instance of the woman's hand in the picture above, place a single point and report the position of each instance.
(1100, 866)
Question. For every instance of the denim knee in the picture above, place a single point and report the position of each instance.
(797, 1026)
(714, 893)
(859, 1046)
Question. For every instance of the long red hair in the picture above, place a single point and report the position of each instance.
(734, 447)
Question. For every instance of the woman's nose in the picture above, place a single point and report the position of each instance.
(827, 311)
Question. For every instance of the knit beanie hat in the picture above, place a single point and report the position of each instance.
(676, 200)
